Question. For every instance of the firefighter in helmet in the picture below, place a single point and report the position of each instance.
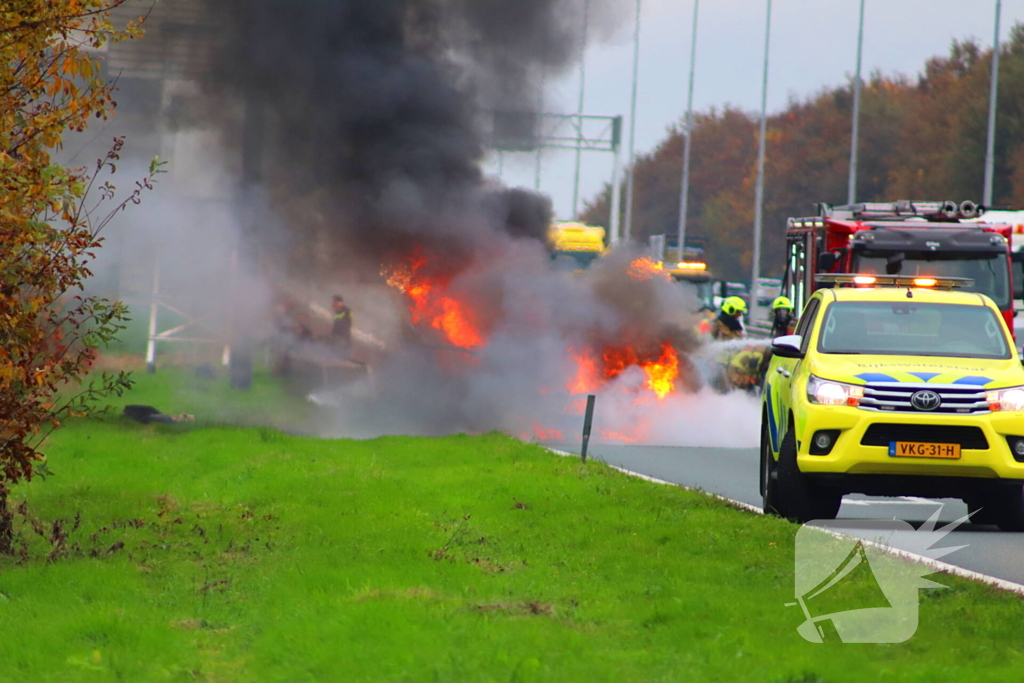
(783, 317)
(747, 368)
(727, 325)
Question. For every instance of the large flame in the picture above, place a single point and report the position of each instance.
(587, 378)
(430, 303)
(661, 368)
(663, 372)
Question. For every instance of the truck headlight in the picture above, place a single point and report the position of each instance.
(1009, 399)
(828, 393)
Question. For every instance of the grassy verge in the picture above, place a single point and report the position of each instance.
(211, 400)
(241, 554)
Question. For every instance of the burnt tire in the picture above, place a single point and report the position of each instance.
(801, 499)
(769, 475)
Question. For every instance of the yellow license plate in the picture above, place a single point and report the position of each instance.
(911, 449)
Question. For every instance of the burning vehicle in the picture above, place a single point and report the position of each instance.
(371, 167)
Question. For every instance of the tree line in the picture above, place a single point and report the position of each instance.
(920, 138)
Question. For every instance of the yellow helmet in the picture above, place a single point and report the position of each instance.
(734, 305)
(782, 302)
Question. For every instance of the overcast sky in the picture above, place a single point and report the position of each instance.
(813, 46)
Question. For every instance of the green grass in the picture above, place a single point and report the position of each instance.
(249, 555)
(212, 402)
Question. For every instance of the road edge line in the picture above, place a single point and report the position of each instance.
(937, 565)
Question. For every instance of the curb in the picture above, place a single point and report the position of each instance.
(937, 565)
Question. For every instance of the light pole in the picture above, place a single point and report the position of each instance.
(993, 95)
(628, 231)
(684, 191)
(579, 109)
(755, 270)
(851, 192)
(538, 160)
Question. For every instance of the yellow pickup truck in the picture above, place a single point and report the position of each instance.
(894, 386)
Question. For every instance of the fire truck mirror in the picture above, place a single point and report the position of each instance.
(1018, 275)
(827, 261)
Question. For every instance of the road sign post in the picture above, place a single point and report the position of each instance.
(588, 420)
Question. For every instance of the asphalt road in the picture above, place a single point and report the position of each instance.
(733, 473)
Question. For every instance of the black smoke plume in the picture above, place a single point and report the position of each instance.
(376, 111)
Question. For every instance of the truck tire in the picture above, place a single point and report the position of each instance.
(982, 510)
(769, 477)
(1007, 504)
(800, 498)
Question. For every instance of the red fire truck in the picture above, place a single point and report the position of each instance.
(901, 238)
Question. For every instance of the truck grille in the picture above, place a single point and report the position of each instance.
(895, 397)
(882, 434)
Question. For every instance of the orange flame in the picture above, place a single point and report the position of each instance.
(646, 268)
(615, 436)
(587, 378)
(547, 434)
(637, 432)
(661, 371)
(430, 304)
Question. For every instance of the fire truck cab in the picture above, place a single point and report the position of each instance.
(930, 239)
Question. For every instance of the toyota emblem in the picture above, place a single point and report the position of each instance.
(926, 400)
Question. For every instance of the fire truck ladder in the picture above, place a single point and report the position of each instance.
(902, 210)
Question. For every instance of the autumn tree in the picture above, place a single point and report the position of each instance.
(50, 222)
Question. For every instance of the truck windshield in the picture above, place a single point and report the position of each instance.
(913, 329)
(989, 271)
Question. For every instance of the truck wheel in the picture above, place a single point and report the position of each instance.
(769, 481)
(982, 510)
(1007, 503)
(801, 500)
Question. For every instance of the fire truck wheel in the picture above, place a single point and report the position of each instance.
(802, 500)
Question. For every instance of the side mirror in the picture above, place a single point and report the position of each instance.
(827, 261)
(788, 346)
(1018, 275)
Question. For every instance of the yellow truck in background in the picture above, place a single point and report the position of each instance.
(575, 246)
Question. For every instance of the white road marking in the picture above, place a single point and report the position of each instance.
(938, 566)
